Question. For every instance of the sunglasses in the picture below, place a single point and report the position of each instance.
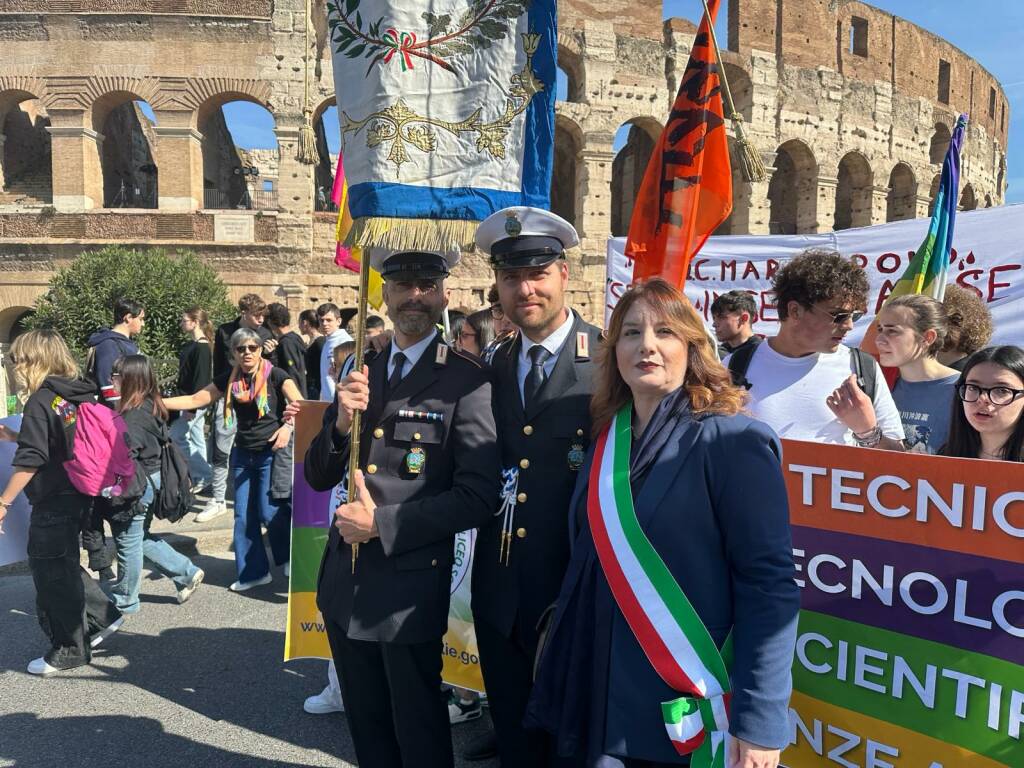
(841, 316)
(247, 348)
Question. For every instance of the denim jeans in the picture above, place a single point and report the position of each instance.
(128, 538)
(164, 558)
(69, 604)
(250, 471)
(223, 441)
(188, 434)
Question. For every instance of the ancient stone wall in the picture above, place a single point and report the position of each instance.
(849, 107)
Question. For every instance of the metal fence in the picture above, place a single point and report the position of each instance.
(258, 200)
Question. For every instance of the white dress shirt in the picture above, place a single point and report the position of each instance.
(412, 354)
(552, 344)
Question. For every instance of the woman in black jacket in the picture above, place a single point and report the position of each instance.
(73, 612)
(146, 418)
(195, 371)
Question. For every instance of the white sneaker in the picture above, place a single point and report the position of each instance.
(199, 487)
(242, 586)
(324, 703)
(41, 668)
(186, 592)
(107, 631)
(211, 511)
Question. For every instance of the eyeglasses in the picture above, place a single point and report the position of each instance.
(467, 335)
(247, 348)
(497, 312)
(971, 393)
(841, 316)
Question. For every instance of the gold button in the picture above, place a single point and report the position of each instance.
(527, 430)
(433, 562)
(378, 433)
(524, 463)
(579, 433)
(371, 469)
(521, 533)
(416, 436)
(521, 498)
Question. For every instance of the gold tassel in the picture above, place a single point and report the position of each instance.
(307, 141)
(394, 234)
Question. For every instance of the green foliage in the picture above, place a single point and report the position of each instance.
(81, 298)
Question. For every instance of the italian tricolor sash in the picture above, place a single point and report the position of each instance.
(668, 629)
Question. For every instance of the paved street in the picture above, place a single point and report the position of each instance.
(200, 684)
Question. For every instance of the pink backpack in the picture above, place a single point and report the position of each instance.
(100, 463)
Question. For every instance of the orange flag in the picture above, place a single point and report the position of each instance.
(687, 188)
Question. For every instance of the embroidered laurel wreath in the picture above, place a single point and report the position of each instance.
(441, 41)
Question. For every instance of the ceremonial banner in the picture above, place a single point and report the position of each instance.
(988, 258)
(14, 539)
(910, 648)
(446, 111)
(312, 516)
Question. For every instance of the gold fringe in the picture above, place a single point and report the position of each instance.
(750, 158)
(440, 235)
(307, 153)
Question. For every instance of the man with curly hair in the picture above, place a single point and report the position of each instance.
(970, 326)
(804, 382)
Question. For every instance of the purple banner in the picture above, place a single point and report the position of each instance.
(947, 597)
(309, 505)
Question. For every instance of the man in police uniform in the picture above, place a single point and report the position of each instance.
(542, 387)
(430, 464)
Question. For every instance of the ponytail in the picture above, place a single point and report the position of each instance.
(198, 315)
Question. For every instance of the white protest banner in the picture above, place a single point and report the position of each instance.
(988, 258)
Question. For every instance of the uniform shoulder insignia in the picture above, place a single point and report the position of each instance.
(466, 356)
(582, 344)
(441, 358)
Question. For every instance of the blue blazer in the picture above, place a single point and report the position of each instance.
(714, 505)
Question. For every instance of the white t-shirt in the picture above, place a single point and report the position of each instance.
(788, 394)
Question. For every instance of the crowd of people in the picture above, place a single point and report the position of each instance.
(567, 447)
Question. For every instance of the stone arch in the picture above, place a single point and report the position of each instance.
(853, 192)
(570, 62)
(227, 182)
(628, 170)
(738, 221)
(793, 190)
(742, 89)
(26, 176)
(325, 122)
(127, 150)
(208, 95)
(939, 144)
(902, 199)
(565, 173)
(12, 323)
(988, 201)
(968, 199)
(933, 192)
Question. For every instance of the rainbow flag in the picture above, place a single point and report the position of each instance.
(344, 256)
(926, 272)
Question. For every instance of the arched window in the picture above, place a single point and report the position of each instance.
(793, 190)
(902, 201)
(564, 178)
(26, 178)
(853, 192)
(634, 143)
(127, 157)
(240, 154)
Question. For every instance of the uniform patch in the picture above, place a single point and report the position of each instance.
(442, 354)
(582, 344)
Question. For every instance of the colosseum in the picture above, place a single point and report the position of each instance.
(113, 131)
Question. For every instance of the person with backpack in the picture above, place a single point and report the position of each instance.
(73, 612)
(255, 394)
(108, 344)
(146, 418)
(195, 365)
(804, 383)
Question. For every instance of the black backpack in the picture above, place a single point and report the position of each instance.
(174, 498)
(863, 366)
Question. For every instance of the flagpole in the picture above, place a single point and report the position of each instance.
(357, 415)
(753, 166)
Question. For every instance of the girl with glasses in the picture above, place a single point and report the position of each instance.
(255, 394)
(911, 332)
(986, 419)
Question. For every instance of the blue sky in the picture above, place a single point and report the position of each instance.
(988, 30)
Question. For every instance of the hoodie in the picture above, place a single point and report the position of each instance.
(145, 431)
(106, 346)
(44, 442)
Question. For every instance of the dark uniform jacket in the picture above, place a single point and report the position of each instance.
(400, 590)
(547, 445)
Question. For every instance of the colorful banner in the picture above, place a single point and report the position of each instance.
(987, 258)
(312, 516)
(910, 649)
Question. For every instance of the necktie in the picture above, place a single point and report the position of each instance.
(396, 375)
(535, 377)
